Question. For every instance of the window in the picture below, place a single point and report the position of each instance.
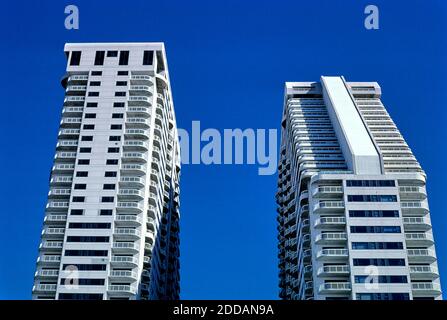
(377, 245)
(120, 94)
(80, 186)
(95, 83)
(370, 183)
(80, 296)
(85, 282)
(148, 57)
(92, 104)
(99, 58)
(90, 115)
(87, 138)
(113, 150)
(123, 73)
(116, 127)
(382, 279)
(83, 161)
(118, 115)
(85, 150)
(371, 198)
(105, 212)
(379, 262)
(86, 253)
(88, 127)
(87, 239)
(75, 59)
(374, 213)
(76, 212)
(109, 186)
(121, 83)
(96, 73)
(115, 138)
(107, 199)
(93, 94)
(112, 53)
(375, 229)
(124, 58)
(119, 104)
(110, 174)
(89, 225)
(78, 199)
(82, 174)
(112, 161)
(86, 267)
(383, 296)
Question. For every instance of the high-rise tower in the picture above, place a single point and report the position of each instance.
(112, 220)
(354, 221)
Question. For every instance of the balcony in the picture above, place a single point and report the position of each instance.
(53, 232)
(135, 145)
(55, 245)
(330, 222)
(332, 254)
(121, 261)
(49, 259)
(63, 168)
(122, 288)
(69, 133)
(56, 218)
(329, 206)
(47, 287)
(59, 193)
(421, 255)
(426, 289)
(67, 145)
(73, 100)
(47, 273)
(134, 157)
(70, 122)
(76, 89)
(57, 205)
(125, 246)
(127, 233)
(416, 223)
(78, 78)
(130, 168)
(139, 100)
(424, 272)
(141, 79)
(335, 287)
(130, 206)
(141, 89)
(147, 260)
(138, 122)
(139, 111)
(123, 275)
(412, 192)
(134, 194)
(333, 271)
(127, 219)
(331, 238)
(419, 239)
(416, 208)
(132, 181)
(136, 134)
(327, 191)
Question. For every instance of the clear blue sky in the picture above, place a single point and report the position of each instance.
(228, 62)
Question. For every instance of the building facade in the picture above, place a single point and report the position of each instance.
(111, 227)
(353, 216)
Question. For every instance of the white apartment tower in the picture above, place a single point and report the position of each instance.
(112, 218)
(353, 216)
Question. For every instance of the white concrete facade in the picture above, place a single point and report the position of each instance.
(353, 215)
(112, 218)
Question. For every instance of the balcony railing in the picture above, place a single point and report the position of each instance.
(419, 238)
(127, 232)
(423, 272)
(49, 259)
(412, 192)
(331, 237)
(327, 191)
(122, 288)
(414, 207)
(421, 255)
(329, 222)
(125, 245)
(123, 274)
(327, 206)
(334, 270)
(426, 288)
(45, 287)
(47, 273)
(417, 223)
(335, 287)
(332, 253)
(127, 218)
(121, 260)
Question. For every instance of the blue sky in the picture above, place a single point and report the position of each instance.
(228, 62)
